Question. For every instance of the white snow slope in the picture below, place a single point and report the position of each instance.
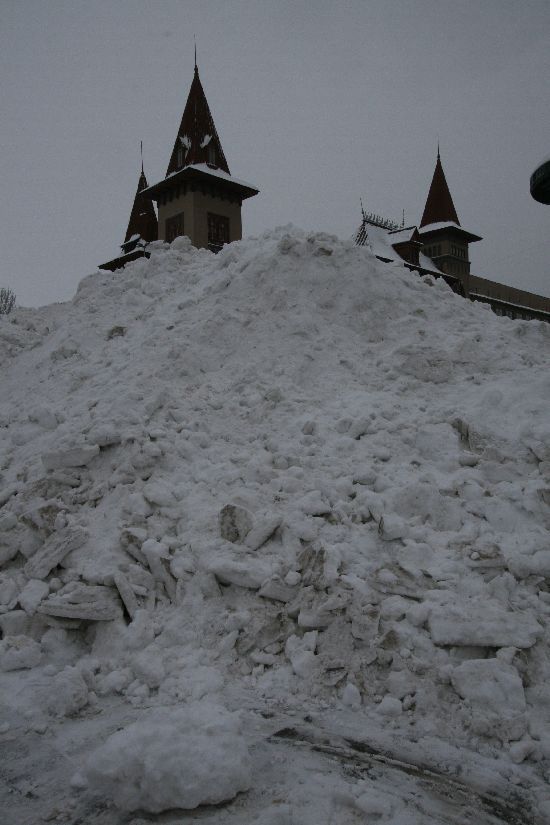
(273, 546)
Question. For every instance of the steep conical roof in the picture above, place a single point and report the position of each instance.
(197, 140)
(439, 204)
(143, 219)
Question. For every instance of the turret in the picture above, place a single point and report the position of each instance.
(443, 238)
(142, 228)
(198, 196)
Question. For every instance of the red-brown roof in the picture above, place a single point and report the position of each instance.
(439, 204)
(197, 140)
(143, 218)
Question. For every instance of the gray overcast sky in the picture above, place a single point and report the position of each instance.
(317, 102)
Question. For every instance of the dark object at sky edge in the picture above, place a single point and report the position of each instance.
(540, 183)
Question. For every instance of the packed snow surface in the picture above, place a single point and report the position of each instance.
(274, 543)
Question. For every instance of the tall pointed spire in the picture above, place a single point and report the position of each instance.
(197, 141)
(143, 218)
(142, 226)
(439, 204)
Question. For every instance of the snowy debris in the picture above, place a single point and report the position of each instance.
(19, 652)
(235, 523)
(69, 693)
(494, 693)
(32, 594)
(300, 484)
(53, 552)
(261, 531)
(173, 758)
(73, 457)
(80, 601)
(127, 593)
(250, 573)
(482, 626)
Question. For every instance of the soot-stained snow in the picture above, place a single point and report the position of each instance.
(274, 546)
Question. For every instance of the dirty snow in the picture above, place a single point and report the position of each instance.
(274, 546)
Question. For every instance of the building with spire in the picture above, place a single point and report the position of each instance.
(443, 238)
(198, 196)
(440, 247)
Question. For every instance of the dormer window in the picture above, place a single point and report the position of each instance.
(212, 154)
(180, 157)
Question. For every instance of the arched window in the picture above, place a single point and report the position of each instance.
(212, 153)
(180, 157)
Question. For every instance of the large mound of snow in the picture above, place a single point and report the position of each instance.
(287, 478)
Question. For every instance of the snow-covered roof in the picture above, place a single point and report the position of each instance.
(204, 169)
(434, 227)
(219, 173)
(402, 235)
(427, 263)
(431, 227)
(381, 243)
(511, 304)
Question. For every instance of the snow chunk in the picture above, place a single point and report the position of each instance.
(351, 696)
(235, 523)
(173, 758)
(494, 693)
(482, 626)
(81, 601)
(18, 652)
(75, 457)
(52, 553)
(32, 594)
(251, 573)
(262, 530)
(159, 492)
(301, 652)
(389, 706)
(69, 694)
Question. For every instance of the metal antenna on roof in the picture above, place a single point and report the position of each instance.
(362, 210)
(403, 221)
(141, 152)
(438, 148)
(195, 41)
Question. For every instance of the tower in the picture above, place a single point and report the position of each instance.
(444, 240)
(198, 196)
(142, 228)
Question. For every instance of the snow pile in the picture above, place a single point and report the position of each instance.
(173, 758)
(287, 478)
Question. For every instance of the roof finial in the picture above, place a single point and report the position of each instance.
(141, 152)
(438, 148)
(195, 41)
